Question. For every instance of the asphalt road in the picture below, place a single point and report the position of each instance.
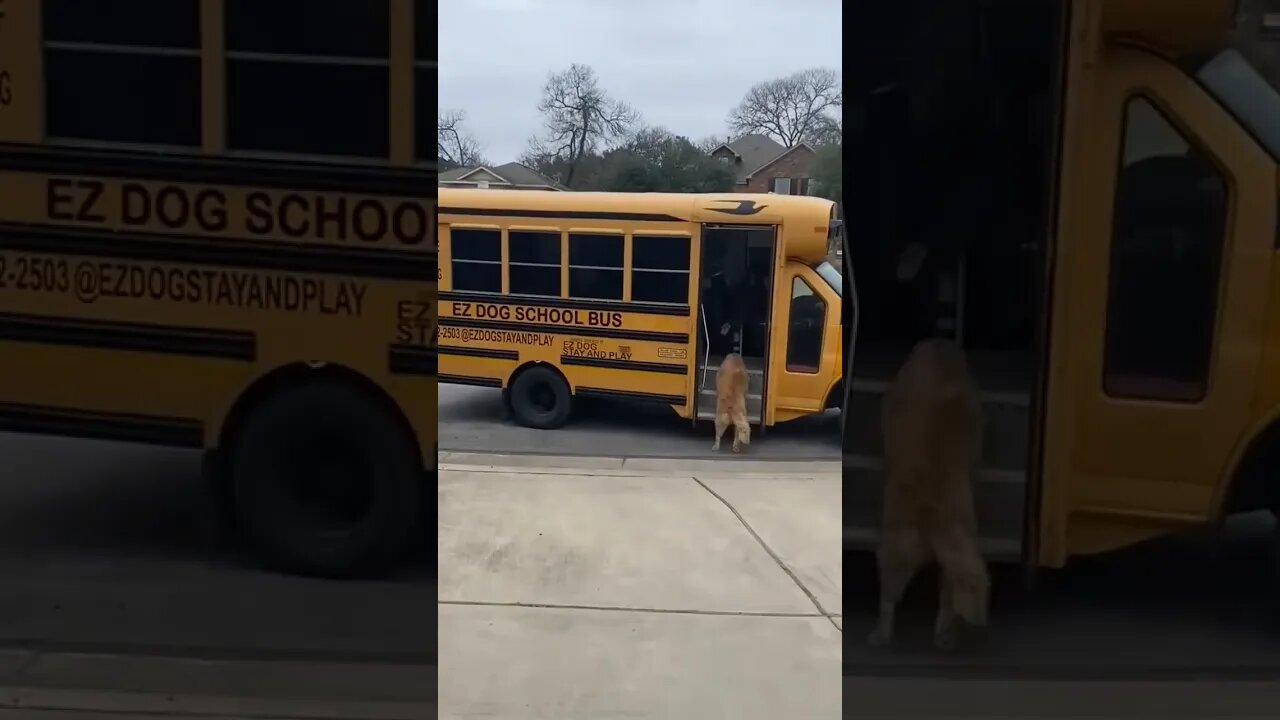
(472, 419)
(1197, 606)
(107, 547)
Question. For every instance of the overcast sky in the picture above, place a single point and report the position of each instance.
(683, 64)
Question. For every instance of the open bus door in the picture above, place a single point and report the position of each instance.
(849, 321)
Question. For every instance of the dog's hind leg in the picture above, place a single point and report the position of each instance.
(900, 556)
(741, 431)
(968, 584)
(944, 627)
(722, 424)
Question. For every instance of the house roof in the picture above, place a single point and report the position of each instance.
(512, 173)
(753, 151)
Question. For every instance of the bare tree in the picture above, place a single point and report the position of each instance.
(455, 145)
(578, 117)
(792, 109)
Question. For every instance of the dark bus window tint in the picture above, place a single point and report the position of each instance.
(308, 108)
(124, 98)
(477, 260)
(424, 30)
(533, 259)
(595, 250)
(158, 23)
(424, 89)
(662, 287)
(1166, 251)
(804, 328)
(476, 245)
(660, 269)
(477, 277)
(595, 266)
(348, 28)
(655, 252)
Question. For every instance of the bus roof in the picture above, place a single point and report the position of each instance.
(673, 207)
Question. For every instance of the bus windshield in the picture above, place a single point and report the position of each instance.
(831, 275)
(1246, 94)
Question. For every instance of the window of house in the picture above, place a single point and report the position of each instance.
(124, 72)
(660, 269)
(424, 75)
(476, 259)
(533, 261)
(325, 91)
(805, 328)
(781, 186)
(1166, 249)
(595, 266)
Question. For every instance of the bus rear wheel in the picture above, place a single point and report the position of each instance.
(540, 398)
(326, 482)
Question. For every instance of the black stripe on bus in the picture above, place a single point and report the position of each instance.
(302, 175)
(156, 430)
(411, 360)
(225, 252)
(480, 352)
(572, 304)
(476, 381)
(168, 339)
(631, 395)
(637, 365)
(557, 214)
(613, 333)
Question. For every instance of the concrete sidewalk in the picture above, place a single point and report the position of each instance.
(611, 588)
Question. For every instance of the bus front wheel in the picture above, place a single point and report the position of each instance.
(540, 399)
(325, 481)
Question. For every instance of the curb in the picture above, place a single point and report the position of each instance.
(459, 460)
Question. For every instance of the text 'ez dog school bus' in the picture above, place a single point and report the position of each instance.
(217, 232)
(1107, 249)
(638, 296)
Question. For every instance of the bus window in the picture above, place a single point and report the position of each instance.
(804, 331)
(111, 79)
(424, 78)
(595, 266)
(282, 84)
(477, 259)
(1166, 247)
(660, 269)
(534, 262)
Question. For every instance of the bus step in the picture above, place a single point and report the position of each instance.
(755, 380)
(1005, 441)
(999, 498)
(707, 404)
(1002, 550)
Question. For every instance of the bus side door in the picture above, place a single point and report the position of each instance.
(805, 348)
(1167, 220)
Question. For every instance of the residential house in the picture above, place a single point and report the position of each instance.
(763, 165)
(511, 176)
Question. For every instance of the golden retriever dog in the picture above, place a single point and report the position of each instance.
(731, 402)
(932, 424)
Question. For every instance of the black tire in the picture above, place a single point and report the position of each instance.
(540, 399)
(326, 482)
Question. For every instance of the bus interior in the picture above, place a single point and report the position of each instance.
(735, 294)
(949, 223)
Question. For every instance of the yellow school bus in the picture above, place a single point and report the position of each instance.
(200, 247)
(638, 296)
(1113, 270)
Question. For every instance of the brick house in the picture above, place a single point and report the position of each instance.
(511, 176)
(763, 165)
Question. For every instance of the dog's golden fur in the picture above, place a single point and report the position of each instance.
(731, 401)
(932, 425)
